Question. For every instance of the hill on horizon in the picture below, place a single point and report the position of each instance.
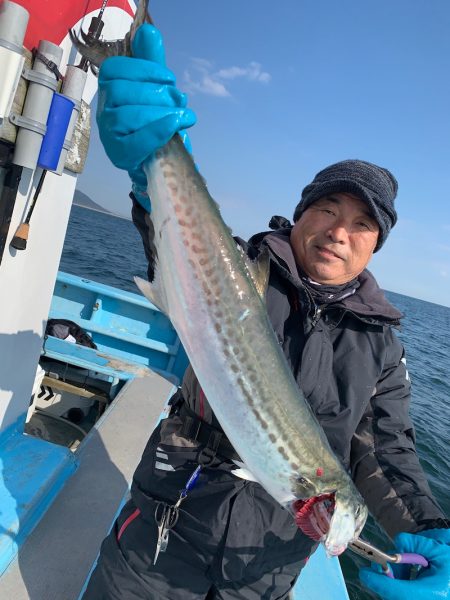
(83, 200)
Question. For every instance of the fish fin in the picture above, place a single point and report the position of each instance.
(259, 271)
(154, 293)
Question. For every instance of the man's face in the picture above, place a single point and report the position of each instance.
(334, 239)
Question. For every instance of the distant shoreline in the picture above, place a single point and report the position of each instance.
(105, 212)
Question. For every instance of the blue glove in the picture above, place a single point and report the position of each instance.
(139, 178)
(432, 582)
(139, 107)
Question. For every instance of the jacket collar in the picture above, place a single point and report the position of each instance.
(369, 299)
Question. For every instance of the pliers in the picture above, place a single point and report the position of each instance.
(372, 553)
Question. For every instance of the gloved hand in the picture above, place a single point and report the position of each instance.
(431, 582)
(139, 107)
(139, 178)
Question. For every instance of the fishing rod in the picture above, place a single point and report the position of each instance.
(93, 34)
(19, 241)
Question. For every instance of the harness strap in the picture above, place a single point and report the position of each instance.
(209, 452)
(214, 440)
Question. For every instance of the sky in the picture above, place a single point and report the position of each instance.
(283, 89)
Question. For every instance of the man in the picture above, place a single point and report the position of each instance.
(232, 540)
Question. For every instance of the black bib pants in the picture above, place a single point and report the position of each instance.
(231, 541)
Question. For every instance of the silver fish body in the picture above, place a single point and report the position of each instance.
(209, 289)
(213, 295)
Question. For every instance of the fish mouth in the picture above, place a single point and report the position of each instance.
(346, 524)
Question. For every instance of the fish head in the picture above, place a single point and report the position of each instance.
(96, 50)
(349, 516)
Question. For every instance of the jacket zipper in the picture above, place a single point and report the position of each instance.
(316, 316)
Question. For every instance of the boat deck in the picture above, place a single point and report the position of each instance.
(56, 558)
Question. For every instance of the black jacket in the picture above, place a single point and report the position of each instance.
(351, 368)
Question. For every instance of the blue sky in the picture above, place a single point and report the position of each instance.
(283, 89)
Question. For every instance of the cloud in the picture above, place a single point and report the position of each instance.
(201, 77)
(253, 72)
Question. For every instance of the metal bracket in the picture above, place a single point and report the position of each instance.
(10, 46)
(77, 103)
(26, 123)
(41, 78)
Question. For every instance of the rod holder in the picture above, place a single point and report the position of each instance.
(43, 83)
(13, 25)
(61, 110)
(73, 87)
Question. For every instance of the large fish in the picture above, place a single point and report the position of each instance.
(213, 294)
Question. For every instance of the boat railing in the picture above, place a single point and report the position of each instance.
(131, 334)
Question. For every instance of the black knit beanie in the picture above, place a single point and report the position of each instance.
(372, 184)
